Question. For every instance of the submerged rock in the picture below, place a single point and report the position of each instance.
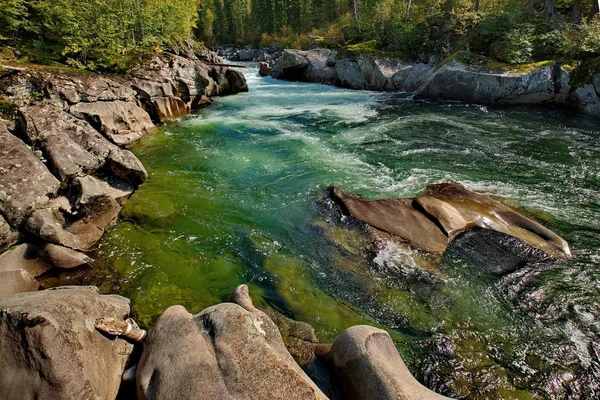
(49, 348)
(432, 221)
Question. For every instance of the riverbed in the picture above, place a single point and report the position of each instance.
(236, 195)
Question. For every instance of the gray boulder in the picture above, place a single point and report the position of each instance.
(308, 66)
(73, 148)
(349, 74)
(247, 55)
(226, 351)
(369, 367)
(586, 99)
(65, 357)
(25, 182)
(454, 81)
(410, 76)
(121, 122)
(81, 225)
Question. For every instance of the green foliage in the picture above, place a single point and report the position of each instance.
(517, 47)
(95, 34)
(589, 35)
(7, 109)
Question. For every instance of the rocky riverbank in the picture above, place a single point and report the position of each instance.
(228, 351)
(552, 84)
(65, 172)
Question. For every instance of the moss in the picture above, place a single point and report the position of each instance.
(495, 65)
(582, 75)
(370, 48)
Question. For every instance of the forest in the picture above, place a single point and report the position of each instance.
(113, 34)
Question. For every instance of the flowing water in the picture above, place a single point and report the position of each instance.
(236, 195)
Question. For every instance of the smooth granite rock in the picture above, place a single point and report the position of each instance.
(49, 348)
(228, 351)
(366, 361)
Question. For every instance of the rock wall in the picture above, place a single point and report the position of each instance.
(550, 85)
(64, 171)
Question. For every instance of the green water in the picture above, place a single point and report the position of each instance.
(235, 196)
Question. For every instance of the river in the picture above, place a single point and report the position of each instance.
(235, 195)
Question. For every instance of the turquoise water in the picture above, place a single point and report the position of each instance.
(235, 195)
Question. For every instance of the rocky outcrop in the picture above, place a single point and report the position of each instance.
(361, 72)
(452, 81)
(309, 66)
(227, 351)
(25, 183)
(368, 365)
(20, 266)
(64, 174)
(432, 221)
(49, 348)
(448, 80)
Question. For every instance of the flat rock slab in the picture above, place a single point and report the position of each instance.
(120, 121)
(66, 357)
(431, 221)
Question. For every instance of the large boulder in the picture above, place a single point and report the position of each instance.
(171, 86)
(410, 76)
(227, 351)
(369, 367)
(587, 99)
(308, 66)
(455, 81)
(349, 74)
(49, 348)
(84, 87)
(432, 221)
(25, 183)
(79, 226)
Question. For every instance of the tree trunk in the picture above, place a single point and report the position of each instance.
(576, 16)
(530, 4)
(408, 8)
(595, 7)
(549, 7)
(476, 5)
